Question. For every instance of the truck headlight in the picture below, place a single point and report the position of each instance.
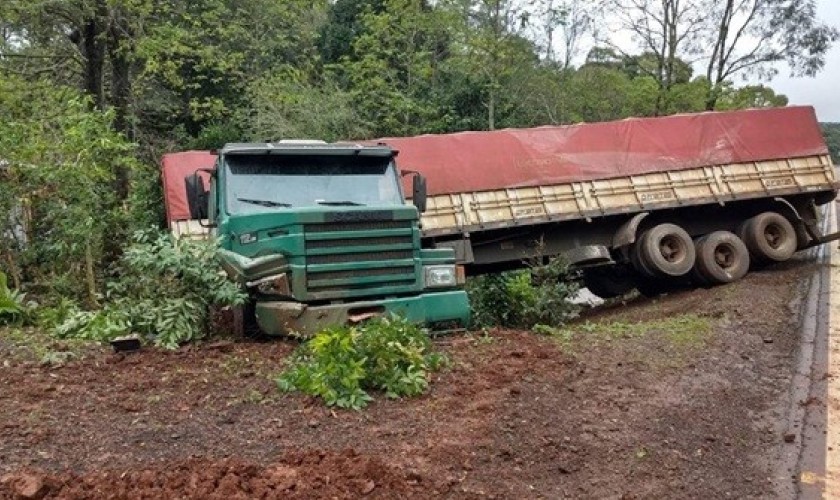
(272, 285)
(440, 276)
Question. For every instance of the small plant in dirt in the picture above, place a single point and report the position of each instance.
(341, 364)
(532, 298)
(163, 290)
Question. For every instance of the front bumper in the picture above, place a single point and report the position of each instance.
(431, 309)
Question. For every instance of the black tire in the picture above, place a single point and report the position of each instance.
(667, 251)
(769, 237)
(637, 260)
(607, 282)
(721, 258)
(698, 279)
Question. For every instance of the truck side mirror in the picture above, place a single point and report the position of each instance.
(418, 196)
(197, 195)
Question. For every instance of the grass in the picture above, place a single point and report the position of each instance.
(682, 331)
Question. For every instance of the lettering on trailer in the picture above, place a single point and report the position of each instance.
(528, 211)
(780, 182)
(656, 196)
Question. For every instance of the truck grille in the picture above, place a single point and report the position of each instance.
(359, 257)
(328, 227)
(338, 266)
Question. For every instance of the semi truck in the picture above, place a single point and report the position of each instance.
(319, 234)
(645, 203)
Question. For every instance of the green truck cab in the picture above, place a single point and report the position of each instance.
(321, 234)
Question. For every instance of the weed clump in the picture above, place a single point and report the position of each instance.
(341, 364)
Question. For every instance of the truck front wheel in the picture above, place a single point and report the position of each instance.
(721, 258)
(769, 237)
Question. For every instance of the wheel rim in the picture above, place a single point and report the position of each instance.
(672, 248)
(725, 256)
(774, 235)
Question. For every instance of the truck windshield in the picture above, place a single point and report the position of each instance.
(265, 183)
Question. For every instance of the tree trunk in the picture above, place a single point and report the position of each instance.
(119, 54)
(90, 276)
(93, 43)
(491, 110)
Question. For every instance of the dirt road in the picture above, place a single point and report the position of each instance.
(685, 396)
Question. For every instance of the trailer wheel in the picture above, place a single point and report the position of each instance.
(607, 282)
(769, 237)
(666, 251)
(637, 260)
(721, 258)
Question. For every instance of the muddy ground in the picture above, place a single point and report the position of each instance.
(683, 396)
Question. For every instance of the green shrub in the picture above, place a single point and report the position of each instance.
(13, 309)
(341, 364)
(164, 290)
(552, 286)
(524, 299)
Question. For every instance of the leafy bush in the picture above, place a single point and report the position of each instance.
(60, 218)
(524, 299)
(164, 290)
(13, 309)
(104, 324)
(341, 364)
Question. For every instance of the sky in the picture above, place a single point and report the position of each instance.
(823, 90)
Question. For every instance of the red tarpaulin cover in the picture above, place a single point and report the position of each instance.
(174, 168)
(480, 161)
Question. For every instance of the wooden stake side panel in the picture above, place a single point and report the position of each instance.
(190, 229)
(457, 213)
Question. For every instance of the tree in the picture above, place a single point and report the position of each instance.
(490, 43)
(394, 67)
(57, 180)
(752, 36)
(751, 96)
(197, 57)
(666, 30)
(831, 131)
(290, 104)
(565, 23)
(731, 37)
(342, 26)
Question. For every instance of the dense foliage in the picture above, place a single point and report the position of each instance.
(343, 363)
(832, 139)
(58, 212)
(164, 291)
(538, 296)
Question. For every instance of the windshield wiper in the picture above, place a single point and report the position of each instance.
(345, 203)
(265, 203)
